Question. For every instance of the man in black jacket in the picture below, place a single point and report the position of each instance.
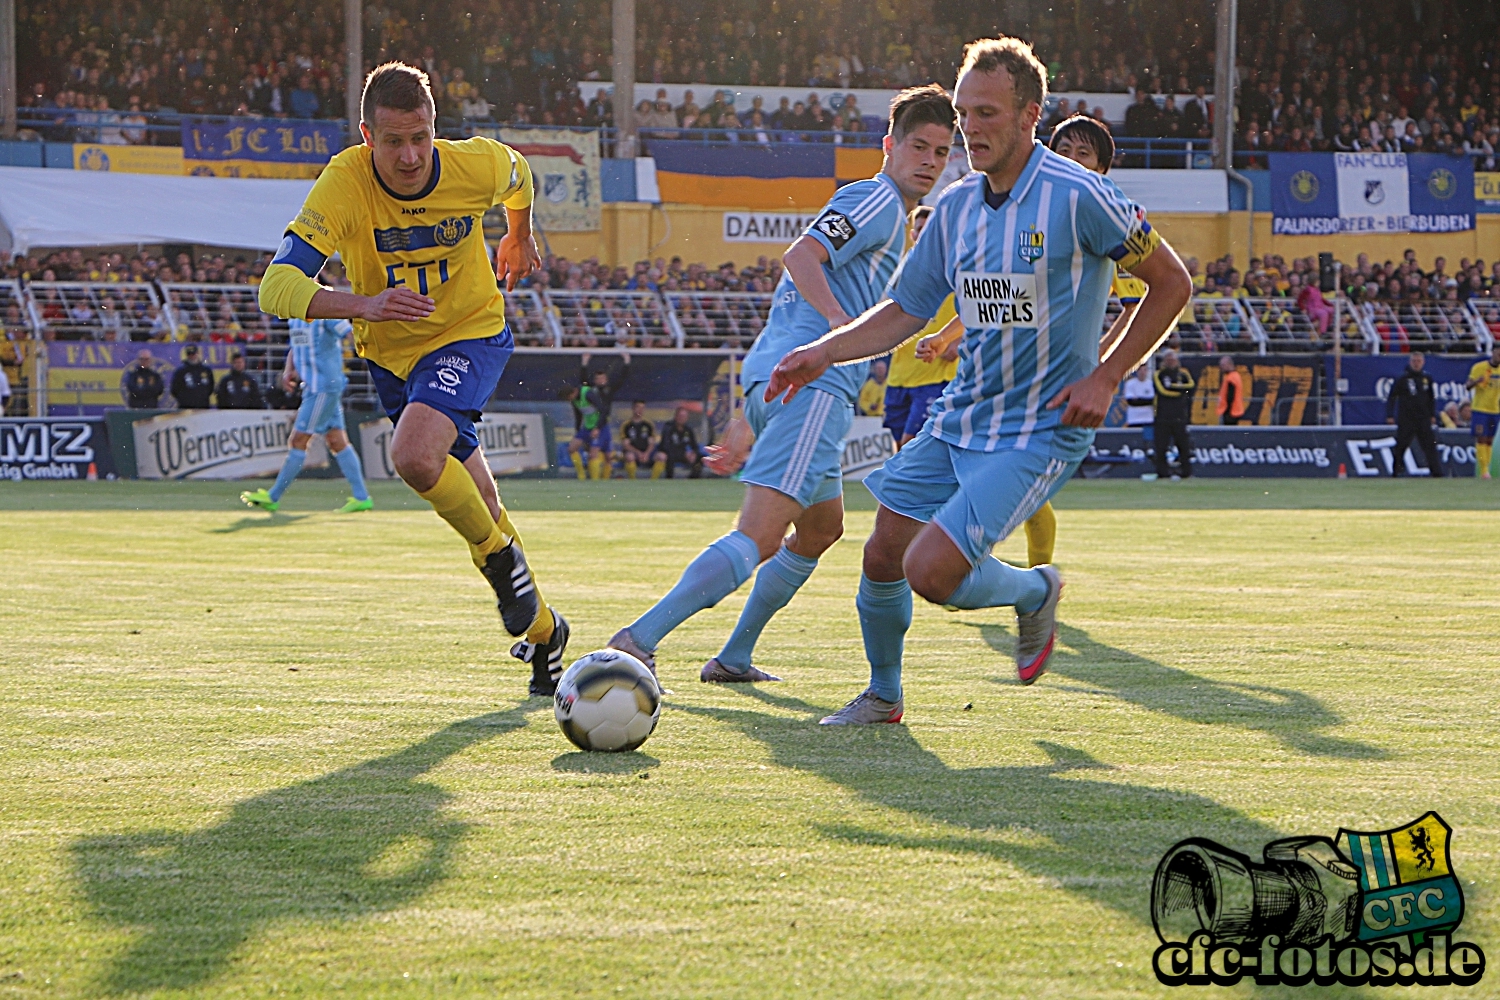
(237, 390)
(141, 385)
(1174, 410)
(1412, 407)
(679, 446)
(193, 381)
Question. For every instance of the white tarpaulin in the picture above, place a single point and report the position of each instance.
(78, 208)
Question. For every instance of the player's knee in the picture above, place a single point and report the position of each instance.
(300, 441)
(417, 469)
(882, 560)
(337, 441)
(927, 581)
(814, 541)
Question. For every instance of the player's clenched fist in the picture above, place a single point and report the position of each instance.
(801, 367)
(515, 259)
(398, 304)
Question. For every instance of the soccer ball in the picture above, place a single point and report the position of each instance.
(608, 701)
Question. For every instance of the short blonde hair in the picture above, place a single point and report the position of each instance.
(986, 55)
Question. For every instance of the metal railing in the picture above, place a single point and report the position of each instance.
(718, 319)
(643, 319)
(96, 310)
(598, 318)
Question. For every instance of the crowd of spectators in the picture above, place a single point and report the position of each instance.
(1336, 75)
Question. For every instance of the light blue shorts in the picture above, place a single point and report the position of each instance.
(799, 446)
(977, 497)
(319, 413)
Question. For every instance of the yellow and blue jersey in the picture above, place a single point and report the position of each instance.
(907, 371)
(1487, 393)
(431, 242)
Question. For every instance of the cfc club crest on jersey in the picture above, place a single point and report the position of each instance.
(1031, 244)
(1375, 909)
(837, 227)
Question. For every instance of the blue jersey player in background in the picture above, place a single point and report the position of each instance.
(835, 271)
(316, 358)
(1028, 245)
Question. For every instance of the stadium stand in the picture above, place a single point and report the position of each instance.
(1332, 76)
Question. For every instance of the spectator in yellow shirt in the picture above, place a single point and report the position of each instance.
(872, 393)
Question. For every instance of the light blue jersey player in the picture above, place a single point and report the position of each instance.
(835, 271)
(316, 357)
(1028, 246)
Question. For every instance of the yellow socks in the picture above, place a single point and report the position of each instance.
(630, 468)
(1483, 452)
(657, 468)
(578, 464)
(457, 500)
(1041, 536)
(598, 467)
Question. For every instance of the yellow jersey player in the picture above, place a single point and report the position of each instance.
(404, 212)
(1484, 380)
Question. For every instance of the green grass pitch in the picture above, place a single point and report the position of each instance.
(249, 756)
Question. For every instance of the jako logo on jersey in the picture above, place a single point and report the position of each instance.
(837, 227)
(414, 211)
(1364, 908)
(1031, 243)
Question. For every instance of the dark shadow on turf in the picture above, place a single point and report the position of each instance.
(274, 520)
(1290, 716)
(604, 763)
(1063, 819)
(302, 852)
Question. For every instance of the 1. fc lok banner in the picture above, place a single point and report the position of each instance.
(256, 147)
(565, 170)
(1317, 194)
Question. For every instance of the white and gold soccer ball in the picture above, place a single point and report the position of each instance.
(607, 701)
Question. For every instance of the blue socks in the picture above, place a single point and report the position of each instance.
(994, 584)
(775, 584)
(714, 575)
(289, 470)
(884, 617)
(349, 465)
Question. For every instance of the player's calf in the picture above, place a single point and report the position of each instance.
(515, 592)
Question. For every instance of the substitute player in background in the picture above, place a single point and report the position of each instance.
(316, 359)
(1029, 244)
(404, 212)
(1484, 379)
(834, 271)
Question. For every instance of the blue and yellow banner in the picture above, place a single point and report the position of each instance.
(745, 175)
(127, 159)
(1318, 194)
(254, 147)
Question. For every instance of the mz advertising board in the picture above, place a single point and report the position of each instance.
(218, 444)
(52, 449)
(512, 443)
(1280, 452)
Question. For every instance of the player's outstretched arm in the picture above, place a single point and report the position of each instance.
(1116, 330)
(1168, 289)
(517, 255)
(394, 304)
(876, 332)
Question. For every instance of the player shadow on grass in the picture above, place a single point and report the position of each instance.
(1063, 820)
(363, 839)
(1292, 717)
(275, 520)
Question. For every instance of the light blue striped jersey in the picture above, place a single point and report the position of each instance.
(863, 229)
(318, 353)
(1030, 281)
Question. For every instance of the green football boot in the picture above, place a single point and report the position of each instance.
(353, 506)
(259, 498)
